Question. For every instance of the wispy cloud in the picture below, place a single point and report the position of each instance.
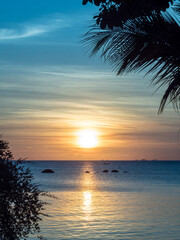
(43, 107)
(32, 29)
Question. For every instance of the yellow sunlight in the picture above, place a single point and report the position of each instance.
(87, 138)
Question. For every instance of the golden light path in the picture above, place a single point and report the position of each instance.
(87, 198)
(87, 138)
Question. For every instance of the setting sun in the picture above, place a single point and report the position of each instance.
(87, 138)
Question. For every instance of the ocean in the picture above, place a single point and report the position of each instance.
(140, 201)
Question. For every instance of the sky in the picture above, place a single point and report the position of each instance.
(50, 90)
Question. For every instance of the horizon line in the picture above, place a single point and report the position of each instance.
(136, 160)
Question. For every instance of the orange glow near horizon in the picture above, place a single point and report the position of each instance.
(87, 138)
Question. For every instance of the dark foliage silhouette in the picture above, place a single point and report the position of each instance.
(113, 13)
(144, 41)
(21, 207)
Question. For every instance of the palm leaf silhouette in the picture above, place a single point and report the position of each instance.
(148, 43)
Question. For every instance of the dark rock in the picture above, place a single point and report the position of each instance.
(105, 171)
(125, 171)
(115, 171)
(47, 171)
(87, 171)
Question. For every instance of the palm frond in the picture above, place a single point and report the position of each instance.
(172, 93)
(176, 7)
(150, 43)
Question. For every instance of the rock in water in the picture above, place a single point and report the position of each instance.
(105, 171)
(115, 171)
(47, 171)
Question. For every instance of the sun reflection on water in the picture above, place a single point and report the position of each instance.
(87, 204)
(87, 199)
(88, 182)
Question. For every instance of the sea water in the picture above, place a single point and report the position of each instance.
(141, 201)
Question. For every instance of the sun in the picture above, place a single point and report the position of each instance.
(87, 138)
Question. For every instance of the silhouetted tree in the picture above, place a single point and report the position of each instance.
(114, 13)
(142, 41)
(20, 204)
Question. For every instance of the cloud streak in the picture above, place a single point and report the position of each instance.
(27, 30)
(43, 107)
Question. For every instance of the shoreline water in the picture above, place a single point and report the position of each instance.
(142, 204)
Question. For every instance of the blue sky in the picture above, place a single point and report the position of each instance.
(50, 89)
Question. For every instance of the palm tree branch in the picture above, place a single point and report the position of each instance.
(150, 43)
